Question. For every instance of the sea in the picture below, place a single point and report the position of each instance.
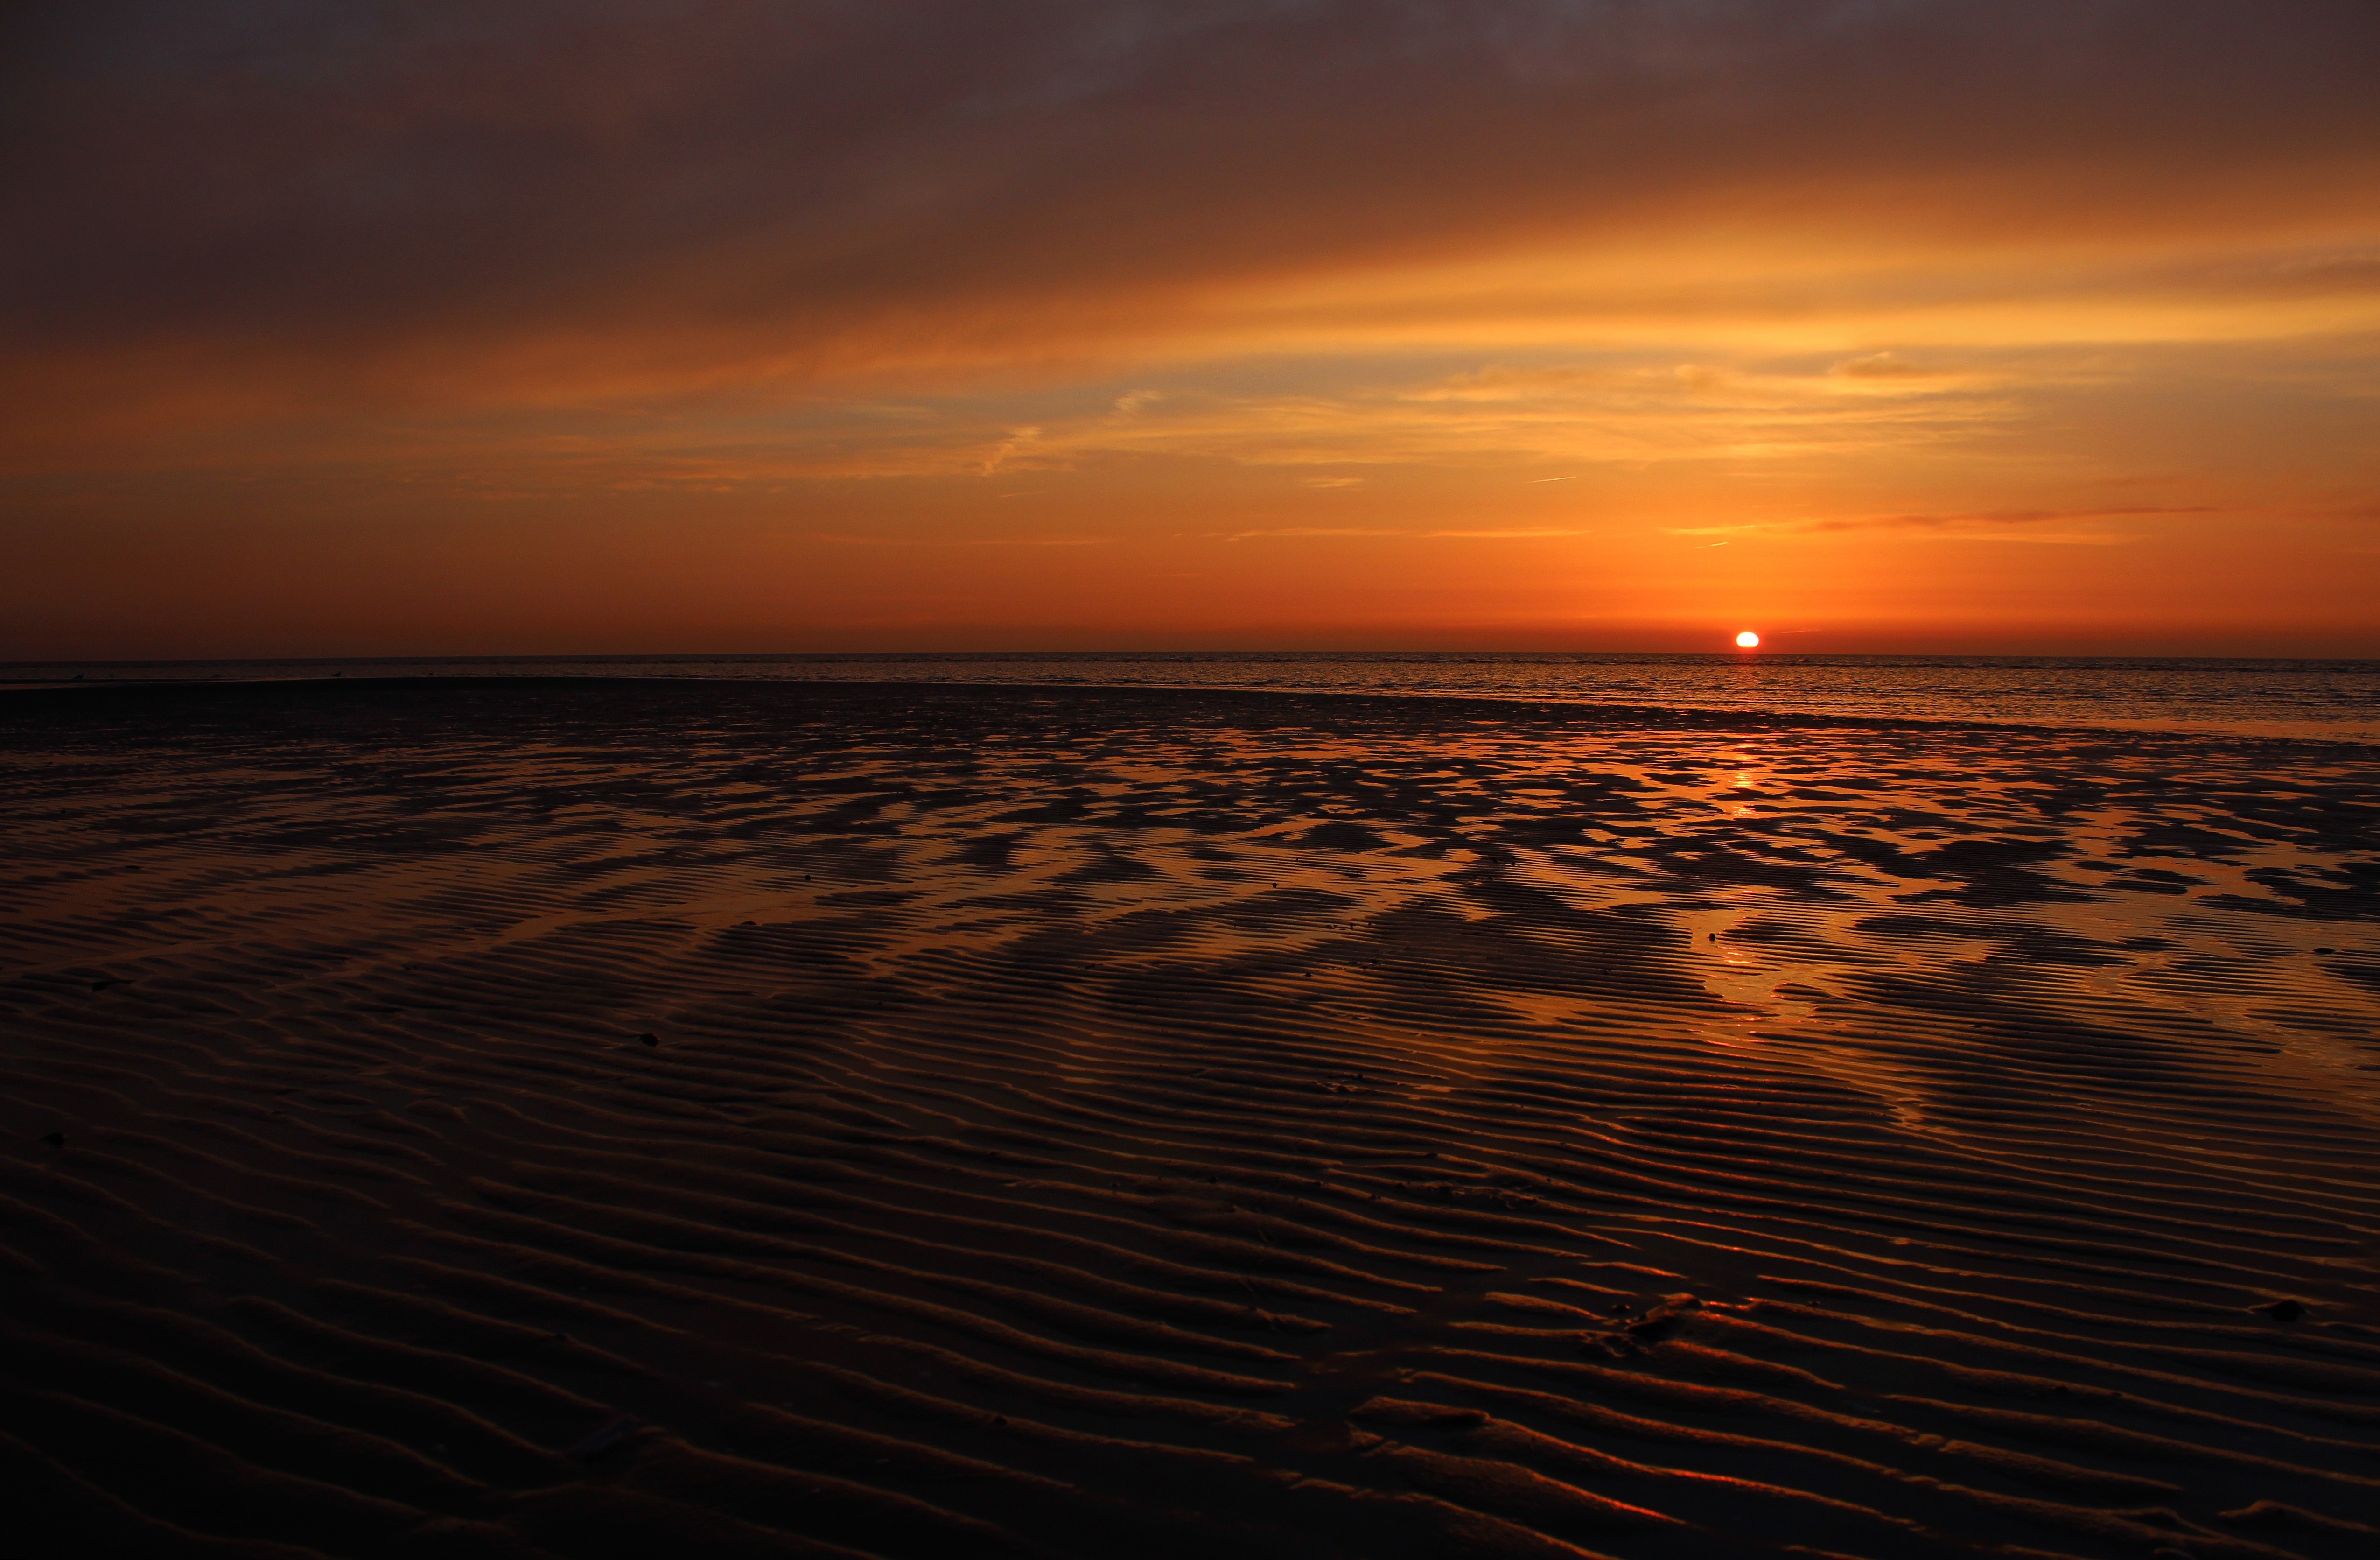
(2307, 700)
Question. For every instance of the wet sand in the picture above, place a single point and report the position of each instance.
(580, 1118)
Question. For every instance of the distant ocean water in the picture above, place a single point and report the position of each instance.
(2328, 700)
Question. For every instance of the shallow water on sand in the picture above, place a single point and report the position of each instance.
(1003, 1121)
(2327, 700)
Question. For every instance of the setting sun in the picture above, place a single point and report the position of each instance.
(1747, 640)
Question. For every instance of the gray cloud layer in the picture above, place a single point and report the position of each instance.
(317, 176)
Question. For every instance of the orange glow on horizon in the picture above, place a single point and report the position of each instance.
(1483, 346)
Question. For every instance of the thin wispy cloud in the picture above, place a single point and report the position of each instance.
(865, 539)
(2025, 526)
(1529, 535)
(1879, 365)
(1355, 532)
(1019, 441)
(1302, 533)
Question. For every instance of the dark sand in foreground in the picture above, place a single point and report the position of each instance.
(969, 1122)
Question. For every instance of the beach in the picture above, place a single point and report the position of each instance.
(587, 1117)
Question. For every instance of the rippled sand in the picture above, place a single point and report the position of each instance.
(657, 1119)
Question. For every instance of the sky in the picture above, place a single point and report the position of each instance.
(552, 327)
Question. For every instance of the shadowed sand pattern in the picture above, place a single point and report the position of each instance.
(585, 1118)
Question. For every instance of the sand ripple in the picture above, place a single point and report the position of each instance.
(605, 1119)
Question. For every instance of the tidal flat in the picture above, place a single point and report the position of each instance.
(581, 1118)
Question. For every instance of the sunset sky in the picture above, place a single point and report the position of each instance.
(510, 327)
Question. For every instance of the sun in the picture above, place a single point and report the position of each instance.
(1747, 640)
